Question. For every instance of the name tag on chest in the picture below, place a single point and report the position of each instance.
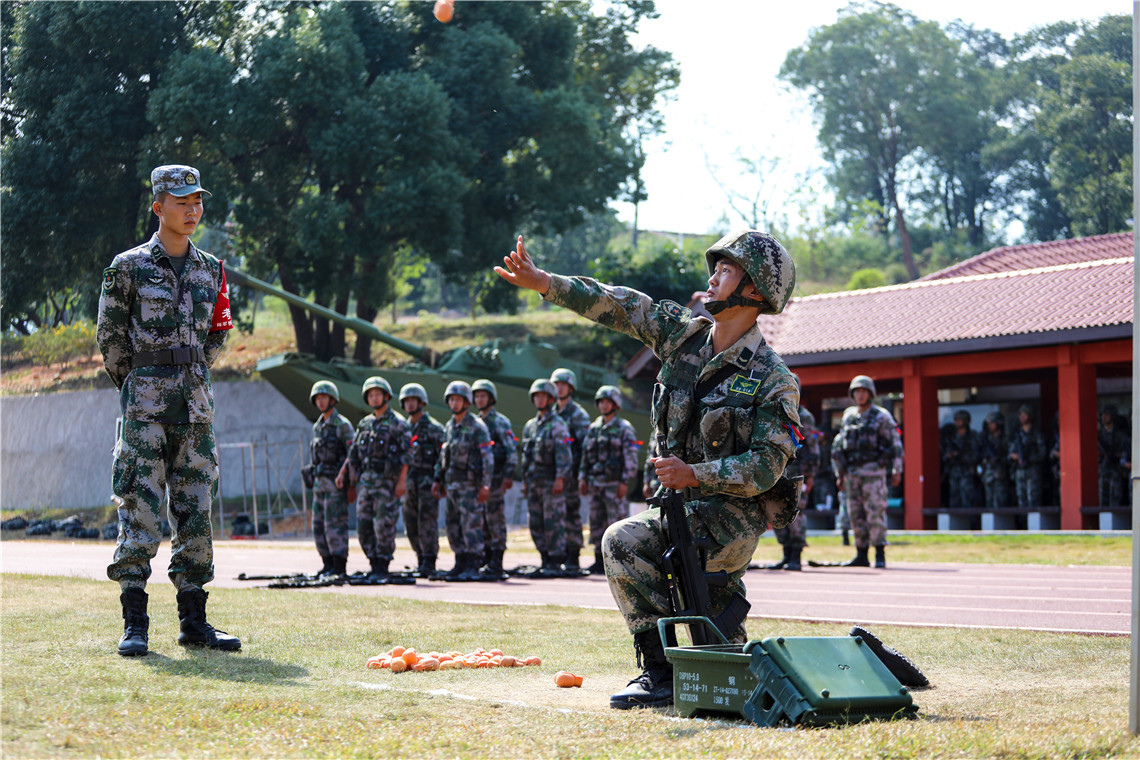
(744, 385)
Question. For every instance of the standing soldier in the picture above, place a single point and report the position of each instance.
(867, 446)
(463, 475)
(547, 467)
(328, 451)
(1027, 451)
(1115, 453)
(378, 463)
(961, 453)
(505, 454)
(577, 422)
(995, 456)
(609, 460)
(793, 536)
(421, 509)
(163, 317)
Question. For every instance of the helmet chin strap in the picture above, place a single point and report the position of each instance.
(736, 298)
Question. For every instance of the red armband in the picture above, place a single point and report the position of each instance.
(222, 317)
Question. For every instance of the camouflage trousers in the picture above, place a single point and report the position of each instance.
(573, 518)
(495, 519)
(794, 534)
(995, 481)
(632, 549)
(867, 508)
(605, 510)
(377, 511)
(1112, 486)
(961, 482)
(180, 461)
(546, 515)
(1028, 484)
(330, 519)
(464, 519)
(421, 516)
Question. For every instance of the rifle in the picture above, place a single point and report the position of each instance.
(684, 566)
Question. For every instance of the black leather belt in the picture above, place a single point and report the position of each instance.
(179, 355)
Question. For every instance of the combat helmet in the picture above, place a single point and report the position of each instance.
(861, 381)
(414, 390)
(458, 388)
(328, 387)
(543, 386)
(1027, 409)
(563, 375)
(765, 261)
(485, 385)
(964, 414)
(612, 392)
(996, 417)
(375, 382)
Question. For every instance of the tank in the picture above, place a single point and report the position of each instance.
(511, 368)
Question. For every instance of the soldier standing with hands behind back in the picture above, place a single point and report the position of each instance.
(421, 508)
(547, 468)
(577, 421)
(328, 451)
(609, 460)
(163, 317)
(504, 452)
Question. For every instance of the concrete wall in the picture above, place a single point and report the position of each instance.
(55, 449)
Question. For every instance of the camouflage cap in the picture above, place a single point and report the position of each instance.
(176, 179)
(766, 261)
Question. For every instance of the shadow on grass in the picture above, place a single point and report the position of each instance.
(227, 667)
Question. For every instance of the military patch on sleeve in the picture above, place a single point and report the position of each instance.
(109, 279)
(742, 384)
(674, 310)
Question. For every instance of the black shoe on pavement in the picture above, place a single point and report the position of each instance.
(860, 559)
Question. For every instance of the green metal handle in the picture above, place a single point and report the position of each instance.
(664, 623)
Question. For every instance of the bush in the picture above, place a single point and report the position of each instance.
(61, 344)
(867, 278)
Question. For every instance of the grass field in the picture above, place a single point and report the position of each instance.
(299, 688)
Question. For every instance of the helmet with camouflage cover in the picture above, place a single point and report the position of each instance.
(327, 387)
(563, 375)
(414, 390)
(767, 264)
(458, 388)
(375, 382)
(543, 386)
(997, 418)
(612, 392)
(485, 385)
(963, 415)
(861, 381)
(1027, 409)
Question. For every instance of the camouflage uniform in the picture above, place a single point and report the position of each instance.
(805, 463)
(737, 435)
(961, 453)
(154, 330)
(1029, 470)
(328, 450)
(465, 465)
(505, 455)
(546, 456)
(577, 422)
(995, 472)
(378, 454)
(867, 446)
(609, 458)
(421, 509)
(1114, 448)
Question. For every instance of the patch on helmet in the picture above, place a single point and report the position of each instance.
(674, 310)
(745, 385)
(109, 279)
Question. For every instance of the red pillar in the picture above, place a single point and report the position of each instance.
(920, 445)
(1076, 402)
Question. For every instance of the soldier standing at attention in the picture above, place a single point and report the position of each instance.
(995, 455)
(577, 421)
(961, 454)
(1114, 449)
(378, 463)
(505, 454)
(1027, 451)
(163, 317)
(867, 446)
(725, 405)
(793, 536)
(609, 460)
(463, 475)
(547, 466)
(328, 450)
(421, 509)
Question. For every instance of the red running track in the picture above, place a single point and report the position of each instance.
(1079, 599)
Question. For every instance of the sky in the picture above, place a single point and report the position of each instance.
(731, 102)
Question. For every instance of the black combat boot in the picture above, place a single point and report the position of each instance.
(326, 565)
(552, 566)
(571, 563)
(136, 623)
(379, 569)
(654, 687)
(459, 566)
(881, 557)
(860, 558)
(195, 630)
(599, 566)
(470, 571)
(339, 565)
(493, 570)
(792, 558)
(426, 568)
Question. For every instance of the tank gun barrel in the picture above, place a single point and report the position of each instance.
(423, 353)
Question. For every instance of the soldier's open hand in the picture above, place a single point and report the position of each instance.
(519, 269)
